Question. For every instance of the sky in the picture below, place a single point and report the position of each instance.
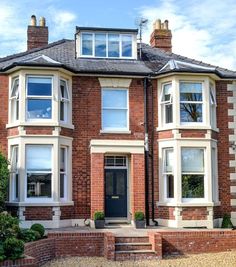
(203, 30)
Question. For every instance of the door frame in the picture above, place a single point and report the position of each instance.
(127, 218)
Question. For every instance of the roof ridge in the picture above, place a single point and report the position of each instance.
(33, 50)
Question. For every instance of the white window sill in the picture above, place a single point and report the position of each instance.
(40, 123)
(41, 204)
(186, 127)
(188, 204)
(115, 132)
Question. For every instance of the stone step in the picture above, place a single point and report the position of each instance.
(132, 239)
(132, 246)
(135, 255)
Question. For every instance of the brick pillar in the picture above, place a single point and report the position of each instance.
(97, 182)
(137, 183)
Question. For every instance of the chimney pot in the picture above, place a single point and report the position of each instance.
(161, 36)
(33, 20)
(42, 22)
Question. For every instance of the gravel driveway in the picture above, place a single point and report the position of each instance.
(224, 259)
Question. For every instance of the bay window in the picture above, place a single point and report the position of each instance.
(39, 171)
(39, 98)
(191, 102)
(192, 165)
(115, 109)
(167, 103)
(168, 172)
(14, 99)
(64, 101)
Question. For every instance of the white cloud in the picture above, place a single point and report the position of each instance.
(202, 30)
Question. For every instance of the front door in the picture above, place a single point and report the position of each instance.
(116, 193)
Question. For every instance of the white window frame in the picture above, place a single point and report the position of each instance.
(14, 161)
(14, 100)
(106, 33)
(195, 173)
(166, 103)
(213, 105)
(40, 199)
(192, 102)
(65, 173)
(39, 98)
(126, 129)
(66, 101)
(166, 173)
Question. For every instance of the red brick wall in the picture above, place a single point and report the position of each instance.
(97, 183)
(161, 39)
(223, 146)
(87, 122)
(39, 130)
(165, 134)
(191, 213)
(166, 213)
(38, 213)
(192, 133)
(194, 242)
(137, 183)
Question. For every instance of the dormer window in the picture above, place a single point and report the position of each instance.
(106, 43)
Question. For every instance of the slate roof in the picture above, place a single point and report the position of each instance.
(154, 62)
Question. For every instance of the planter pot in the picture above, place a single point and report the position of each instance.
(99, 224)
(140, 224)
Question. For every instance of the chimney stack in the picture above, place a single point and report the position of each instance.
(37, 36)
(161, 36)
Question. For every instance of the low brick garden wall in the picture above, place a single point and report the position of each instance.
(65, 244)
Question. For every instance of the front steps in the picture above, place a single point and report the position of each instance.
(133, 248)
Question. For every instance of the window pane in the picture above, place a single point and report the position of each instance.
(190, 112)
(39, 157)
(62, 185)
(170, 186)
(168, 113)
(167, 92)
(87, 44)
(39, 185)
(62, 159)
(126, 45)
(193, 186)
(39, 86)
(15, 88)
(62, 111)
(16, 186)
(192, 160)
(190, 91)
(169, 158)
(113, 45)
(114, 98)
(114, 119)
(63, 87)
(100, 45)
(39, 109)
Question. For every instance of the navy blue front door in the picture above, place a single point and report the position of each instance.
(116, 193)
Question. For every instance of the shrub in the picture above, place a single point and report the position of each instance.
(226, 223)
(9, 226)
(38, 228)
(29, 235)
(99, 215)
(2, 254)
(4, 174)
(13, 248)
(139, 216)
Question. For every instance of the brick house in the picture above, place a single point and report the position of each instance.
(95, 124)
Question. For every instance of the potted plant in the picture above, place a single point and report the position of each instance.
(226, 222)
(99, 219)
(139, 219)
